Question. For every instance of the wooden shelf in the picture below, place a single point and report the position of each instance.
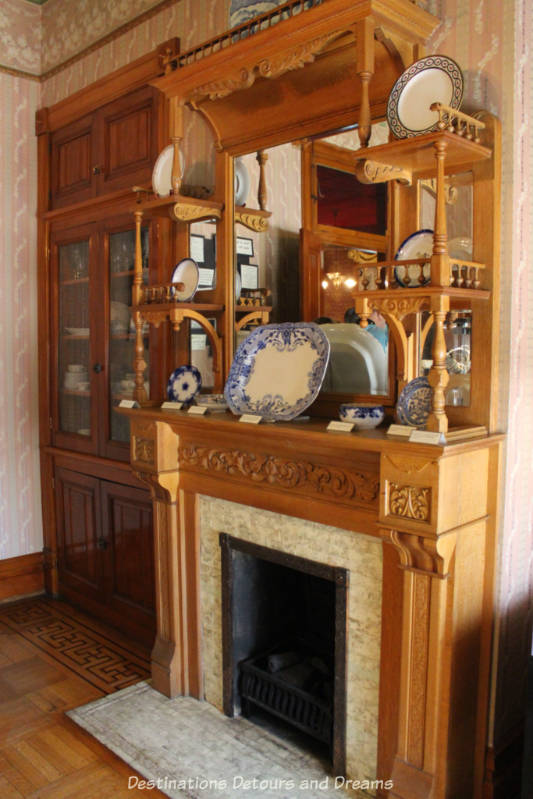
(71, 393)
(250, 308)
(417, 154)
(180, 208)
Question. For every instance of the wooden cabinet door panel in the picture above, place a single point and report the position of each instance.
(127, 137)
(72, 163)
(79, 540)
(127, 525)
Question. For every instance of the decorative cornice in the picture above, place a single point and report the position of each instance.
(266, 68)
(359, 486)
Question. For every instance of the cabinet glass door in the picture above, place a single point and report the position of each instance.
(121, 327)
(74, 340)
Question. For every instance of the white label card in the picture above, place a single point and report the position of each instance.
(426, 437)
(400, 430)
(171, 406)
(250, 418)
(128, 404)
(340, 427)
(198, 410)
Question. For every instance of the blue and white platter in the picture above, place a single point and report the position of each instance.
(414, 403)
(184, 384)
(278, 370)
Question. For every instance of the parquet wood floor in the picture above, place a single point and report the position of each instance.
(54, 658)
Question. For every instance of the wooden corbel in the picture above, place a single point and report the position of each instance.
(368, 171)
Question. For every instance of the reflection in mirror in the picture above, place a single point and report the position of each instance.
(459, 212)
(359, 357)
(349, 220)
(267, 232)
(458, 337)
(202, 248)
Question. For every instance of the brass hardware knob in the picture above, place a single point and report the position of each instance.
(98, 368)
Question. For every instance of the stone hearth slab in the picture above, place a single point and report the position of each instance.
(192, 750)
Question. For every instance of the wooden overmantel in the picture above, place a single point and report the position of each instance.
(434, 507)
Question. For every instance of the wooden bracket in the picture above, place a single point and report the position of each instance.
(368, 171)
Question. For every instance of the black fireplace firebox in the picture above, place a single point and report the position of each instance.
(284, 640)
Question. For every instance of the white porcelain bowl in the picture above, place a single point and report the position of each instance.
(363, 415)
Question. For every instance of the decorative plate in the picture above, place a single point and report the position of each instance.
(162, 172)
(242, 182)
(186, 272)
(278, 370)
(184, 384)
(417, 245)
(434, 79)
(414, 403)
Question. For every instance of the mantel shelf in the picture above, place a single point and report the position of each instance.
(417, 154)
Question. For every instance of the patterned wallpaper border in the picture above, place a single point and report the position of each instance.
(91, 48)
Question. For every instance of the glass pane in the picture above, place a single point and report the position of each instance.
(121, 327)
(74, 342)
(458, 336)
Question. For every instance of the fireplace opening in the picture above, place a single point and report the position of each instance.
(284, 642)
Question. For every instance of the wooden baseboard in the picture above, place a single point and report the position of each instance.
(21, 576)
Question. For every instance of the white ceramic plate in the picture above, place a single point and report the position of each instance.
(242, 182)
(278, 370)
(358, 363)
(434, 79)
(417, 245)
(186, 272)
(162, 173)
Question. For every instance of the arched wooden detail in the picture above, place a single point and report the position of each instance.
(177, 315)
(260, 316)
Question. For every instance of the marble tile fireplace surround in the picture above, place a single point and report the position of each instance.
(360, 554)
(413, 525)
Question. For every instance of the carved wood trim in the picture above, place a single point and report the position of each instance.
(332, 482)
(272, 67)
(144, 450)
(368, 171)
(430, 555)
(252, 220)
(409, 502)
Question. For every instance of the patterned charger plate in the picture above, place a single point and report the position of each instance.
(434, 79)
(278, 370)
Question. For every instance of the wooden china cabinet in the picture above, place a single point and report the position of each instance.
(93, 147)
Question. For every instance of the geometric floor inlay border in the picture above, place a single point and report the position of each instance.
(77, 642)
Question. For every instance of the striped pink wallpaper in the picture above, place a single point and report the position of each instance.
(20, 499)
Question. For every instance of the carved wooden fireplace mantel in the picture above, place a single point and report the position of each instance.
(434, 507)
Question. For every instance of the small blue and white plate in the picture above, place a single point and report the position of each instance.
(184, 384)
(414, 403)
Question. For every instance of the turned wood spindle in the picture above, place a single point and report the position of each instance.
(262, 194)
(176, 138)
(440, 262)
(136, 293)
(139, 364)
(438, 376)
(365, 69)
